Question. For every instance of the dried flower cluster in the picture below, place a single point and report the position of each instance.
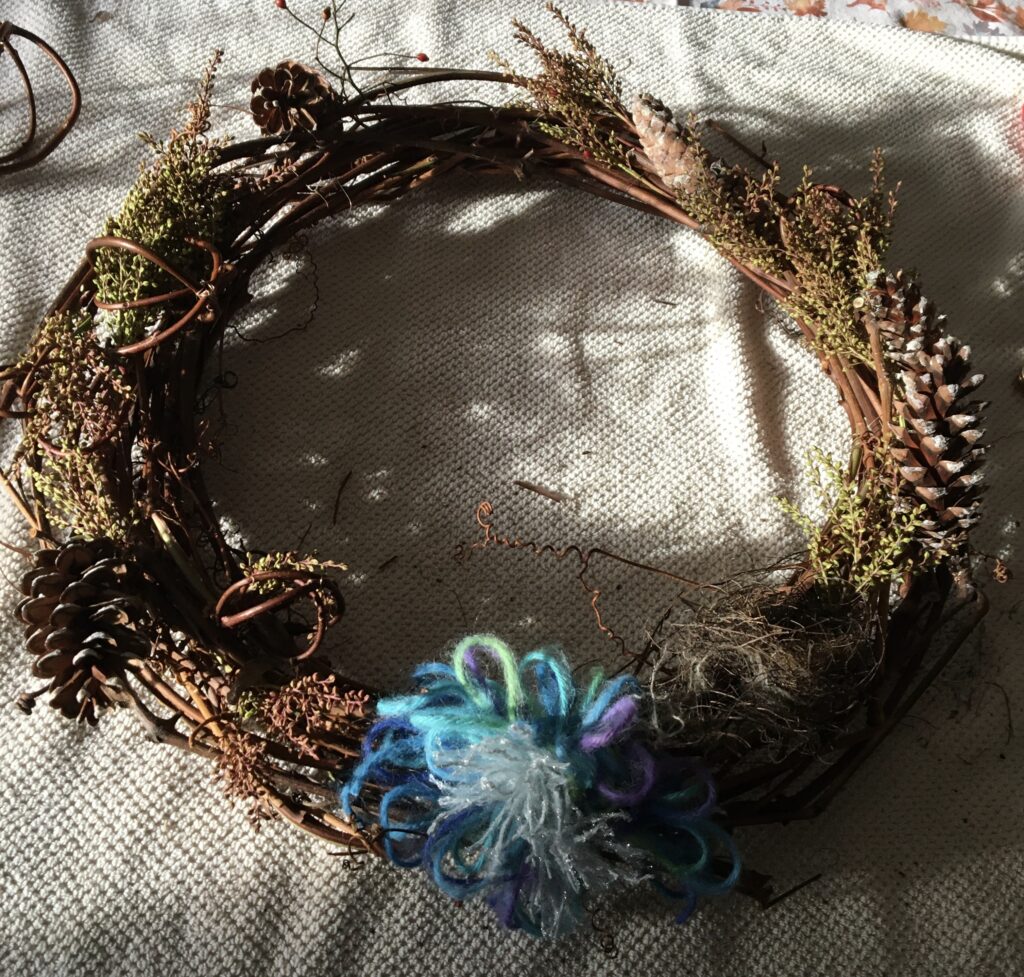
(832, 242)
(308, 708)
(237, 770)
(81, 396)
(579, 93)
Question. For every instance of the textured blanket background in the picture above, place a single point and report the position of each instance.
(480, 334)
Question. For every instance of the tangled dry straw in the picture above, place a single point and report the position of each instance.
(740, 670)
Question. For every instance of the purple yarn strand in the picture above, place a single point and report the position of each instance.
(642, 768)
(615, 721)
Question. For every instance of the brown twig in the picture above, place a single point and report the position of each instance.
(25, 155)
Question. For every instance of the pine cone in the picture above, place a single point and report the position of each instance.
(939, 442)
(84, 617)
(674, 160)
(288, 97)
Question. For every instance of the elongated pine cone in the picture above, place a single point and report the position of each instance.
(674, 160)
(84, 616)
(288, 97)
(939, 442)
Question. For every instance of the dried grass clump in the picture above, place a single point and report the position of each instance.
(745, 669)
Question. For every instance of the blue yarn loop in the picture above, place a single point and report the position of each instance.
(505, 780)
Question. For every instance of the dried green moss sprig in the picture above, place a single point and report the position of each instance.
(832, 242)
(77, 489)
(819, 243)
(869, 534)
(256, 566)
(178, 198)
(81, 393)
(81, 397)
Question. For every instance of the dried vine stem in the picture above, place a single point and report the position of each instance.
(27, 153)
(483, 514)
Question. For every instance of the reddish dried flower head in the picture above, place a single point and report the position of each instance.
(281, 4)
(326, 14)
(422, 57)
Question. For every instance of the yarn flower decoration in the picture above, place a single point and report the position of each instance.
(534, 793)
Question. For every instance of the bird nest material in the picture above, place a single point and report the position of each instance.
(502, 778)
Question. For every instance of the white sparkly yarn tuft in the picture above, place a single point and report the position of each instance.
(529, 793)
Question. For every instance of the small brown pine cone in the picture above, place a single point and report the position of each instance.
(672, 157)
(290, 97)
(84, 616)
(937, 438)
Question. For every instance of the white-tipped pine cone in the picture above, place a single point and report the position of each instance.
(938, 443)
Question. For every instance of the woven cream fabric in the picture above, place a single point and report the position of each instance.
(483, 333)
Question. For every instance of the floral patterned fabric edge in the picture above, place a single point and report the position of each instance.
(961, 18)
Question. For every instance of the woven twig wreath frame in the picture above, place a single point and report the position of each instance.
(136, 598)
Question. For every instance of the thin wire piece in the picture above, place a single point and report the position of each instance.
(491, 538)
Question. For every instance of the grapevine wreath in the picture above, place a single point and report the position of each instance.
(513, 779)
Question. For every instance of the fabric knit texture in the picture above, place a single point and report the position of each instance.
(479, 333)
